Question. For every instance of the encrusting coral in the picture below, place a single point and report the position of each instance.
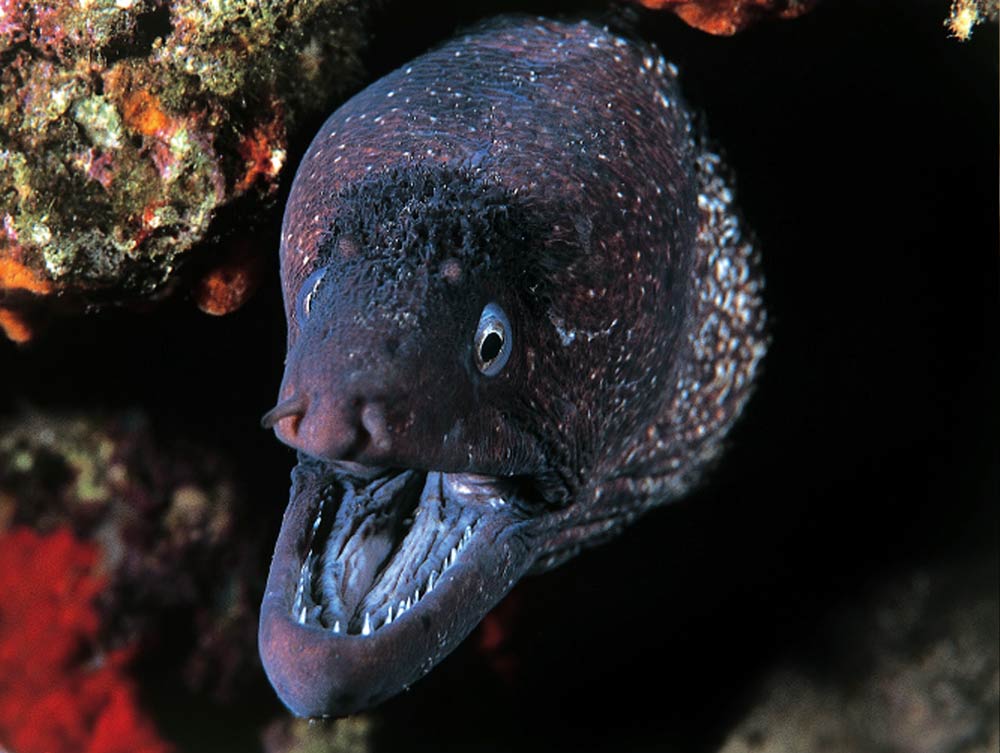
(164, 516)
(59, 693)
(726, 17)
(965, 15)
(125, 125)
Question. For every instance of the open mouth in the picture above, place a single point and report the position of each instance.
(378, 573)
(380, 543)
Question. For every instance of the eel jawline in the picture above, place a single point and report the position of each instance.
(438, 550)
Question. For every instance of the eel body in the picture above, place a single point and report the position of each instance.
(521, 312)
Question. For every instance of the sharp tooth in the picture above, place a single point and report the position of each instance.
(402, 607)
(453, 555)
(366, 629)
(409, 603)
(416, 596)
(389, 618)
(302, 616)
(336, 626)
(431, 579)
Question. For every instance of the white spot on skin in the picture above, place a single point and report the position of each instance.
(567, 335)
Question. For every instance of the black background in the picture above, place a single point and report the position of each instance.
(865, 144)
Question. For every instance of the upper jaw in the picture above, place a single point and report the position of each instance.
(445, 547)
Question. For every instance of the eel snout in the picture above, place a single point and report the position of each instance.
(332, 424)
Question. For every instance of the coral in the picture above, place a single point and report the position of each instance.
(164, 514)
(965, 15)
(229, 284)
(725, 17)
(56, 694)
(15, 276)
(125, 125)
(14, 326)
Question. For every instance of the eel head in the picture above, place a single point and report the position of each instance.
(430, 432)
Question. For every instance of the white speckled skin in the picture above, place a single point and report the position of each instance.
(551, 169)
(660, 321)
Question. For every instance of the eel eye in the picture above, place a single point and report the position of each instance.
(493, 341)
(309, 287)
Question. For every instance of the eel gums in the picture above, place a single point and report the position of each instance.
(521, 312)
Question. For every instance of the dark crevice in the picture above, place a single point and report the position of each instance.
(150, 26)
(9, 56)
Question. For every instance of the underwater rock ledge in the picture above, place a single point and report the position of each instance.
(166, 519)
(125, 125)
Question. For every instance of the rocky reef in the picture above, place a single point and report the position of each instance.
(126, 126)
(159, 518)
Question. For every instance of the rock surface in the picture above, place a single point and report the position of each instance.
(127, 125)
(913, 667)
(164, 516)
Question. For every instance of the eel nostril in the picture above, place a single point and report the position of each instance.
(292, 406)
(374, 421)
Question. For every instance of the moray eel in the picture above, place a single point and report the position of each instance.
(521, 311)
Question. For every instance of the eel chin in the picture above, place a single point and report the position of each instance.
(378, 574)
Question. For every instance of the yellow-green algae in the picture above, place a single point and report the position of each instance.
(87, 453)
(100, 121)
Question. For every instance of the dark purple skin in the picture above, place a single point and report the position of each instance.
(550, 169)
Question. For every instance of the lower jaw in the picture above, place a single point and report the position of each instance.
(319, 672)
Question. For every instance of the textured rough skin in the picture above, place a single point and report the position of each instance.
(551, 168)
